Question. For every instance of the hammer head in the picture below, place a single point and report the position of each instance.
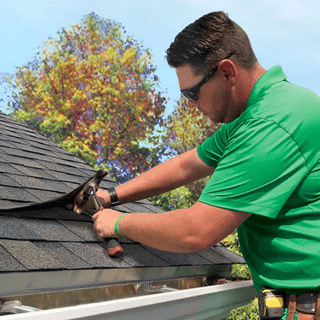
(89, 188)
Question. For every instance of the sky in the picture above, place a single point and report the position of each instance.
(284, 32)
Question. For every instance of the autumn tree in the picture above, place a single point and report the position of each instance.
(186, 128)
(94, 91)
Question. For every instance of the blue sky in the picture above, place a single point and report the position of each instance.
(282, 32)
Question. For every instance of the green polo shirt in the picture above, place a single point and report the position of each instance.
(267, 164)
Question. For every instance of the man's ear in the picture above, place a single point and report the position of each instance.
(228, 71)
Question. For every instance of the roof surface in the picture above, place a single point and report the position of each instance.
(33, 169)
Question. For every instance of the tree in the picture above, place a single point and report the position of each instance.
(186, 128)
(174, 199)
(93, 91)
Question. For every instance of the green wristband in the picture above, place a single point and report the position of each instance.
(116, 227)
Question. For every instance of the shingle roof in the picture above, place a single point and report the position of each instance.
(34, 169)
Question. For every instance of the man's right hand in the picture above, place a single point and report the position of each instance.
(101, 194)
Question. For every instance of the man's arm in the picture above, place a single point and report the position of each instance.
(185, 230)
(169, 175)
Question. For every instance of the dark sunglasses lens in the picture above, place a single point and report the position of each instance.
(190, 95)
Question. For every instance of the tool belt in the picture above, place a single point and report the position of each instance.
(307, 303)
(272, 304)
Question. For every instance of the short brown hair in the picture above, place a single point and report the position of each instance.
(208, 40)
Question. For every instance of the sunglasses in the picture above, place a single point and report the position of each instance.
(193, 93)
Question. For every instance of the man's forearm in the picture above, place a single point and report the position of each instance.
(184, 230)
(162, 231)
(169, 175)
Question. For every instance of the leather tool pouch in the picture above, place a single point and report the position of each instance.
(307, 302)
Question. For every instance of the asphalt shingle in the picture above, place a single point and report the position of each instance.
(212, 255)
(175, 259)
(137, 256)
(232, 257)
(6, 168)
(8, 182)
(8, 263)
(50, 230)
(12, 159)
(14, 228)
(62, 255)
(82, 229)
(135, 207)
(30, 256)
(32, 172)
(39, 183)
(16, 194)
(95, 255)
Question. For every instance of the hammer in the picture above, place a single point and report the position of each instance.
(114, 249)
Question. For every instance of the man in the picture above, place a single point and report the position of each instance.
(264, 163)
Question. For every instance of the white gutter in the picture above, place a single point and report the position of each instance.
(212, 302)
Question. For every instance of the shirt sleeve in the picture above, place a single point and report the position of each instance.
(258, 167)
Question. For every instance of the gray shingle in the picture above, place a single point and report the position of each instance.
(6, 143)
(8, 263)
(214, 257)
(32, 172)
(10, 134)
(62, 255)
(107, 183)
(16, 194)
(20, 160)
(39, 183)
(34, 229)
(135, 207)
(27, 146)
(14, 228)
(232, 257)
(137, 256)
(82, 229)
(67, 169)
(152, 208)
(30, 256)
(174, 259)
(95, 255)
(6, 168)
(43, 195)
(23, 154)
(66, 214)
(6, 181)
(65, 177)
(50, 230)
(64, 161)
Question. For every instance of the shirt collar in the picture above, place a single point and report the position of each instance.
(269, 78)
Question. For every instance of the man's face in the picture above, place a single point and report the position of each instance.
(215, 98)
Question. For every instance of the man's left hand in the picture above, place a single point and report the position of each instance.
(104, 222)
